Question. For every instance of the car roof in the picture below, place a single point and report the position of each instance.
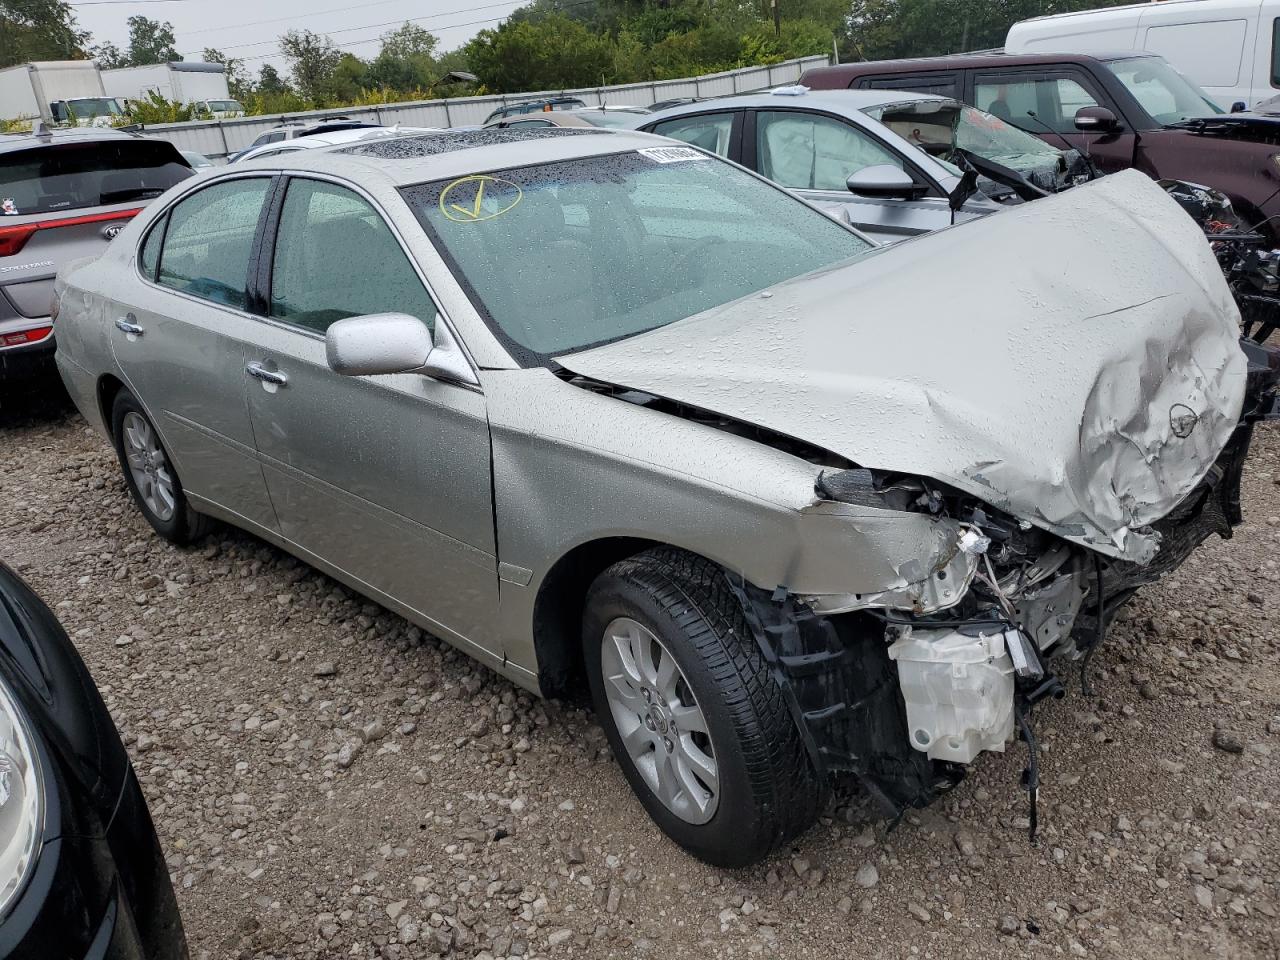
(958, 61)
(418, 158)
(846, 103)
(24, 141)
(330, 138)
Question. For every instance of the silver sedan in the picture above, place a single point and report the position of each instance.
(612, 414)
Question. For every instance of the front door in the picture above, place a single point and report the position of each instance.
(814, 155)
(386, 479)
(1044, 103)
(179, 339)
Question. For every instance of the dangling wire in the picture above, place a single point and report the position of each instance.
(1100, 630)
(1031, 774)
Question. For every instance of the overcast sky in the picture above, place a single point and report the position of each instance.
(249, 29)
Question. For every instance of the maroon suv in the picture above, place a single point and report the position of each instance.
(1125, 110)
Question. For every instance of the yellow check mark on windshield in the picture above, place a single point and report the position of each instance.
(474, 212)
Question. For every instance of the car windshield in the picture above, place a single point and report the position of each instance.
(1163, 92)
(69, 176)
(225, 106)
(564, 256)
(86, 107)
(938, 127)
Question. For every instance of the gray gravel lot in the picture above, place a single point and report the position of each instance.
(329, 782)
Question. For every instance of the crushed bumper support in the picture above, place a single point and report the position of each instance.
(843, 691)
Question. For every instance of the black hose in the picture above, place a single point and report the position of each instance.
(1100, 629)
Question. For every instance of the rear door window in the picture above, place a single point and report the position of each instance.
(1275, 52)
(206, 248)
(941, 84)
(1033, 102)
(712, 132)
(335, 257)
(94, 173)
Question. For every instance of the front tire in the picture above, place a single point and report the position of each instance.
(695, 718)
(150, 475)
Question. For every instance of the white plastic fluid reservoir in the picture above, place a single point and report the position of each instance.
(958, 690)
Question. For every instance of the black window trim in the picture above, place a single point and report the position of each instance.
(751, 160)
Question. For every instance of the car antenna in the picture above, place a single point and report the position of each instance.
(1094, 172)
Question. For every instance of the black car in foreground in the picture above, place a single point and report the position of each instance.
(81, 872)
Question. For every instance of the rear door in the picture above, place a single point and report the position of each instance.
(1044, 101)
(384, 478)
(813, 154)
(178, 333)
(62, 201)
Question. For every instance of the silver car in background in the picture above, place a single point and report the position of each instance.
(63, 195)
(612, 414)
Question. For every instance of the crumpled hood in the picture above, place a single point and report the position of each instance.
(1073, 361)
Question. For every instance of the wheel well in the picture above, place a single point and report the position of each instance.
(557, 612)
(108, 387)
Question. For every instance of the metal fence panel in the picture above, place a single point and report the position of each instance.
(217, 138)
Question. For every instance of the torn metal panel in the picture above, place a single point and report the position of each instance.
(1086, 401)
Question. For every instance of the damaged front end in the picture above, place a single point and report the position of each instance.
(1248, 259)
(902, 689)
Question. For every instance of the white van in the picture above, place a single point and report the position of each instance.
(1228, 47)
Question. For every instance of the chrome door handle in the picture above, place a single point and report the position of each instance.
(126, 325)
(256, 369)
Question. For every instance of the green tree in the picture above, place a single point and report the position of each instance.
(39, 30)
(238, 82)
(270, 83)
(151, 41)
(551, 53)
(312, 60)
(108, 56)
(883, 29)
(406, 61)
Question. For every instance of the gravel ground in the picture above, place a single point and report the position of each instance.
(329, 782)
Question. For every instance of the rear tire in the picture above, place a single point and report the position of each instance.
(150, 475)
(716, 701)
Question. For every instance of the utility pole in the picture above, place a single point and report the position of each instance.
(777, 19)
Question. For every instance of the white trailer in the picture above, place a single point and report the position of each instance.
(56, 91)
(185, 82)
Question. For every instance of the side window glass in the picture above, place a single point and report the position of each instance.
(806, 151)
(1275, 52)
(206, 248)
(941, 84)
(335, 257)
(149, 258)
(711, 132)
(1053, 100)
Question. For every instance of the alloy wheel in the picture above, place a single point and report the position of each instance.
(148, 466)
(661, 725)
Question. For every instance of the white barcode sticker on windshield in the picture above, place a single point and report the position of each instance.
(673, 154)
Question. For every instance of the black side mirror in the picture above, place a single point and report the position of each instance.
(1239, 107)
(1096, 120)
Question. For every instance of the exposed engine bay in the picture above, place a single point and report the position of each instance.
(904, 700)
